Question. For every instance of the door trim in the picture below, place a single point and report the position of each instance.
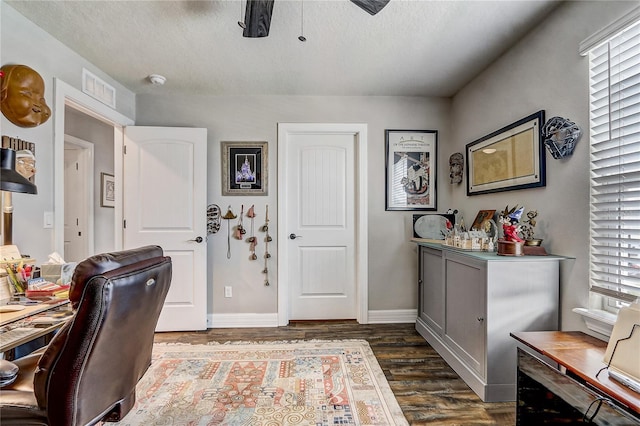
(359, 130)
(66, 94)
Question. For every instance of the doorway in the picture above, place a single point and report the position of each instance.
(69, 100)
(78, 199)
(322, 222)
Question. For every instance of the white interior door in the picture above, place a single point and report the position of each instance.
(76, 203)
(164, 203)
(318, 221)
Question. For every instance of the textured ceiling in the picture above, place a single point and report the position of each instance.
(413, 48)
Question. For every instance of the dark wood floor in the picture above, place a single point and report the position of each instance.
(427, 389)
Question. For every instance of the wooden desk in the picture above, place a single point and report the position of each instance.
(577, 379)
(18, 328)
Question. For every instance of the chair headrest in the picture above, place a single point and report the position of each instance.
(105, 262)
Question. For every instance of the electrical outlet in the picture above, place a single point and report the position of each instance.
(227, 291)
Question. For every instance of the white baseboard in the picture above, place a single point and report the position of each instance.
(271, 320)
(241, 320)
(393, 316)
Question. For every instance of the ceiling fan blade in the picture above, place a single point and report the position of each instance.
(371, 6)
(257, 17)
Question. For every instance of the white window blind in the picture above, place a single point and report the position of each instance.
(614, 73)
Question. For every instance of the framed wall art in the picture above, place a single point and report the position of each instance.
(508, 159)
(244, 168)
(107, 190)
(411, 169)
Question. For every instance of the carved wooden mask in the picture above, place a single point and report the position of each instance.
(22, 96)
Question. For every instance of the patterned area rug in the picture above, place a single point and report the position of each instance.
(317, 383)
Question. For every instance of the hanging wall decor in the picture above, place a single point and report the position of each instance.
(240, 231)
(561, 136)
(411, 169)
(251, 214)
(228, 216)
(107, 190)
(214, 215)
(508, 159)
(22, 96)
(456, 166)
(244, 168)
(267, 240)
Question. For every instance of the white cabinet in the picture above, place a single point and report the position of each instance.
(468, 304)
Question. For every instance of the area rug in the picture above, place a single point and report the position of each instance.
(317, 383)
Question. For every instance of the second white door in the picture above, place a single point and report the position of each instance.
(319, 227)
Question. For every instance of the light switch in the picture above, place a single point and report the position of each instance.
(48, 220)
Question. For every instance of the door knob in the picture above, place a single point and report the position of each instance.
(197, 240)
(294, 236)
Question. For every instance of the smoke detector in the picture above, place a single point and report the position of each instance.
(157, 79)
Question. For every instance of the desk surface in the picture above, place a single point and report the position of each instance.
(20, 327)
(583, 356)
(29, 310)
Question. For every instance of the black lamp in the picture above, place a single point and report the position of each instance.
(11, 181)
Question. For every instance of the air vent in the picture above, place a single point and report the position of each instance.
(97, 88)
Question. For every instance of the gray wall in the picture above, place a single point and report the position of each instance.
(22, 42)
(392, 266)
(543, 72)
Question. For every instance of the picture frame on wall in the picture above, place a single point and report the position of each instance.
(244, 168)
(508, 159)
(411, 169)
(107, 190)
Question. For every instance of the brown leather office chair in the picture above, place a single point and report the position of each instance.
(90, 369)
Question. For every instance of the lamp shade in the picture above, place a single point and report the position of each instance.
(10, 179)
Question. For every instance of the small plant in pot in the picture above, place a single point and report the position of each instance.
(528, 227)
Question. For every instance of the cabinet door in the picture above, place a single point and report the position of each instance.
(466, 309)
(431, 298)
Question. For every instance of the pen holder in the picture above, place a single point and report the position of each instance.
(17, 285)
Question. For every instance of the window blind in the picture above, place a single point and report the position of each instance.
(614, 74)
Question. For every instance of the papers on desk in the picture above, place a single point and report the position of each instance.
(11, 308)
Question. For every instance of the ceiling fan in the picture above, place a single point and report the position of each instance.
(257, 16)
